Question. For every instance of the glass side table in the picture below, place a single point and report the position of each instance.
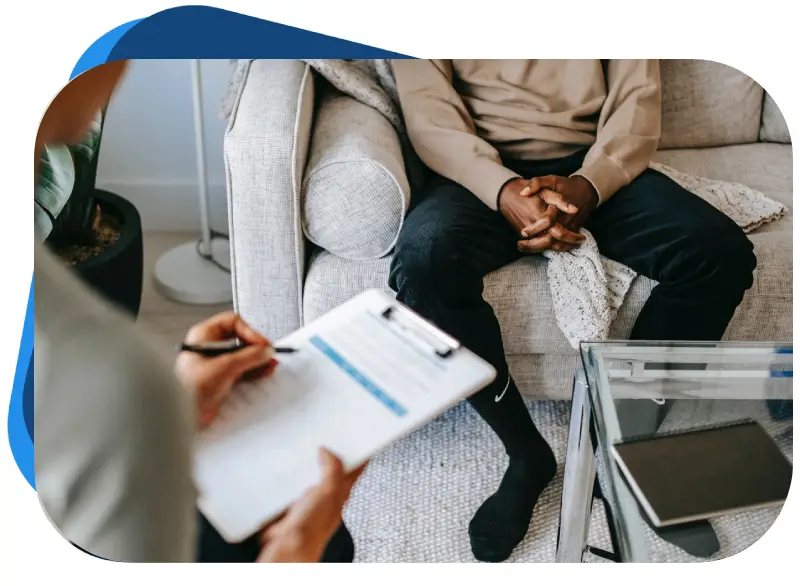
(628, 389)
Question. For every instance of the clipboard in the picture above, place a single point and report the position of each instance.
(364, 375)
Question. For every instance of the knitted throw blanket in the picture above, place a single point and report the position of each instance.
(587, 289)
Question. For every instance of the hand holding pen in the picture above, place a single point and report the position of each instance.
(218, 353)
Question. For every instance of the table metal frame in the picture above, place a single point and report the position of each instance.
(581, 468)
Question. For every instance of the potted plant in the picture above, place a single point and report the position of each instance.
(96, 232)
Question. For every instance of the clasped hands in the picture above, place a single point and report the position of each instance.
(548, 212)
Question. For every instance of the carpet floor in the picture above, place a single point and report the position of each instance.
(415, 500)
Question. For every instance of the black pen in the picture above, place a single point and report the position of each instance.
(211, 349)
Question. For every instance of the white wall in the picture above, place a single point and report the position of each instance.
(148, 149)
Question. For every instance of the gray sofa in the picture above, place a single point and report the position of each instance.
(317, 192)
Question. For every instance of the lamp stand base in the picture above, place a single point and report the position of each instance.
(182, 275)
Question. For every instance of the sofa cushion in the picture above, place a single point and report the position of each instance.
(521, 296)
(707, 104)
(355, 192)
(773, 124)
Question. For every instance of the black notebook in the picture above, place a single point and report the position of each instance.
(704, 473)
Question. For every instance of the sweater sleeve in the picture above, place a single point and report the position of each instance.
(629, 127)
(114, 429)
(113, 448)
(442, 131)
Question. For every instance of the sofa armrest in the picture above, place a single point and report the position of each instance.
(266, 145)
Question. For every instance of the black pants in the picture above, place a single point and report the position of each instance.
(212, 548)
(450, 240)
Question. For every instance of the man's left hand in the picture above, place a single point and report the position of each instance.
(576, 190)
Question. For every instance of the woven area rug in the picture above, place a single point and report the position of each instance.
(415, 500)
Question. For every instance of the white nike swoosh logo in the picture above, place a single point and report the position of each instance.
(501, 395)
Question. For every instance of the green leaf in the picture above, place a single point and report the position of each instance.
(87, 148)
(42, 224)
(64, 195)
(56, 179)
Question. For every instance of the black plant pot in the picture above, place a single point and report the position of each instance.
(116, 273)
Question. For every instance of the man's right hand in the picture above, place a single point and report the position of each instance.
(534, 220)
(304, 530)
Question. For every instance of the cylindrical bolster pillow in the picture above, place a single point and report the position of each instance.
(355, 191)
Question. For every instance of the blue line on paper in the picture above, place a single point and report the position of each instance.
(356, 375)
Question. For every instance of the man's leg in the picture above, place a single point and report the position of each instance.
(449, 242)
(702, 260)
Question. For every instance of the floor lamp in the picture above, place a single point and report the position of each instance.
(198, 272)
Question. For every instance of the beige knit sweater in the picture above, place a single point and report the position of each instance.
(463, 116)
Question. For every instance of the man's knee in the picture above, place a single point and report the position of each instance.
(722, 259)
(736, 249)
(425, 256)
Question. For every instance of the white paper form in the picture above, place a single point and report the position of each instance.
(358, 382)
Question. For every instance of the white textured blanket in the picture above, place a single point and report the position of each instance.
(587, 288)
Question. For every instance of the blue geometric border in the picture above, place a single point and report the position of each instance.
(186, 32)
(20, 411)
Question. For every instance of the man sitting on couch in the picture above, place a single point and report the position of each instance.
(525, 153)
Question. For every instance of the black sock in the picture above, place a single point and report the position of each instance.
(503, 519)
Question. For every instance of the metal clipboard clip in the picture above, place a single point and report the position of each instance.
(410, 325)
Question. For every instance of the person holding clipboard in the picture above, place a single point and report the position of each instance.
(113, 457)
